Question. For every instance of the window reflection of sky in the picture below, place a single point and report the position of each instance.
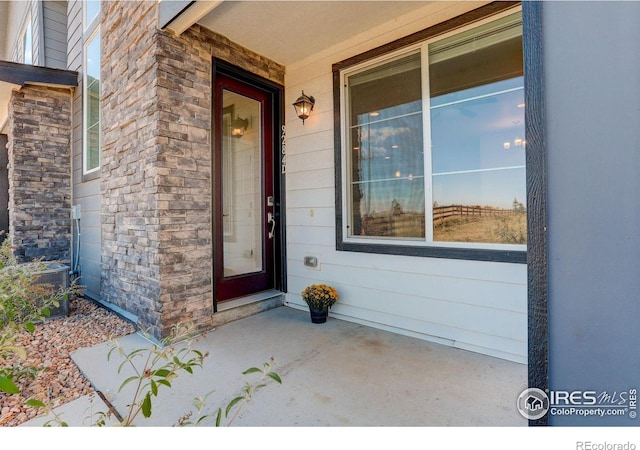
(28, 44)
(93, 58)
(471, 165)
(390, 160)
(92, 104)
(92, 7)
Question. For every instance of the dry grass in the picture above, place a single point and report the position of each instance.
(500, 229)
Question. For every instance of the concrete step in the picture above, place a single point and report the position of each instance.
(247, 306)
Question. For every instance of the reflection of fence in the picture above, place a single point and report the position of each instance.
(394, 225)
(443, 212)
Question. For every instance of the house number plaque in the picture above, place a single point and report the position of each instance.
(283, 144)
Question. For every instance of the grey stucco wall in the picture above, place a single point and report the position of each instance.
(591, 70)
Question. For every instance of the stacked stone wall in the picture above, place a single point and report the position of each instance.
(129, 174)
(156, 185)
(185, 142)
(39, 168)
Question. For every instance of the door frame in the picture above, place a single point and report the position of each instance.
(4, 187)
(276, 92)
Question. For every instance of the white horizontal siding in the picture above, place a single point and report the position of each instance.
(311, 179)
(311, 217)
(454, 288)
(313, 159)
(478, 306)
(310, 197)
(316, 235)
(446, 321)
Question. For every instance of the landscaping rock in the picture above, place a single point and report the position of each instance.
(48, 348)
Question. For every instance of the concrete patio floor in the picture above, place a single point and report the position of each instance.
(338, 374)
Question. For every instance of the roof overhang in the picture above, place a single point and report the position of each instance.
(288, 31)
(178, 16)
(23, 74)
(14, 76)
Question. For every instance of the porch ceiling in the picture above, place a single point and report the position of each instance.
(288, 31)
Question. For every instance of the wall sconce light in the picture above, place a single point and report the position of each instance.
(304, 106)
(239, 126)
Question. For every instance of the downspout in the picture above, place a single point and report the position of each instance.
(74, 272)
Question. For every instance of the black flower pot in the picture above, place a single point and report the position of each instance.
(318, 315)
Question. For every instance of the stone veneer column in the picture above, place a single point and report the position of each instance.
(156, 167)
(39, 150)
(129, 175)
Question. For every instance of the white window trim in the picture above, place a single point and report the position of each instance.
(427, 241)
(89, 27)
(87, 42)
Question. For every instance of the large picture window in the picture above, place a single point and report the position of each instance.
(433, 148)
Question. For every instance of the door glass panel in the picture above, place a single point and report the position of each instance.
(242, 220)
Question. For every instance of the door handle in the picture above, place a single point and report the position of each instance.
(272, 222)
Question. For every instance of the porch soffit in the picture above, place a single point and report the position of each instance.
(289, 31)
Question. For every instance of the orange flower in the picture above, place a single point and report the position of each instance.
(320, 296)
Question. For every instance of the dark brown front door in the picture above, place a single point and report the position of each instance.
(243, 185)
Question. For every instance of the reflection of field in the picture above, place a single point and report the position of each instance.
(468, 224)
(410, 225)
(500, 229)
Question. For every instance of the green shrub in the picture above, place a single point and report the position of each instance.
(154, 369)
(23, 303)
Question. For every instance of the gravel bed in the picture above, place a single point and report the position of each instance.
(49, 347)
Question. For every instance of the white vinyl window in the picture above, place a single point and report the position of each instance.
(91, 11)
(91, 88)
(433, 142)
(92, 92)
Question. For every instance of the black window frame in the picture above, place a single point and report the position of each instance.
(432, 251)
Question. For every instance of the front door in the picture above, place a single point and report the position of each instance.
(244, 190)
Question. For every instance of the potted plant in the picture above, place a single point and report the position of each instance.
(319, 298)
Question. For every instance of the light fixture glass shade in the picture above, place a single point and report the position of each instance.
(304, 106)
(239, 126)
